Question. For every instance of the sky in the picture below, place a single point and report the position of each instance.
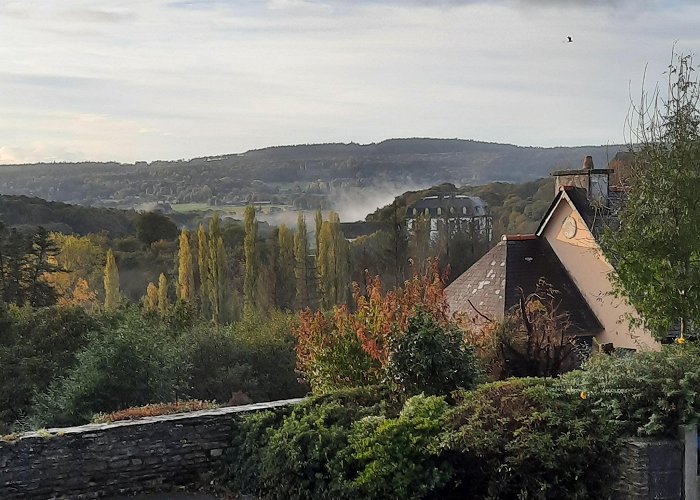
(155, 79)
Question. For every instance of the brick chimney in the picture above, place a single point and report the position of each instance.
(595, 181)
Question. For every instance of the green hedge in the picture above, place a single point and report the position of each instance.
(644, 394)
(521, 438)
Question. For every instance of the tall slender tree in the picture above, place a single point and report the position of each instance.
(203, 270)
(111, 282)
(301, 263)
(163, 303)
(252, 265)
(285, 269)
(332, 263)
(150, 303)
(185, 282)
(216, 268)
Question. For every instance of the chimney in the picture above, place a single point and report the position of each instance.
(594, 181)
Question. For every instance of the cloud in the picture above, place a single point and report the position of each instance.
(183, 79)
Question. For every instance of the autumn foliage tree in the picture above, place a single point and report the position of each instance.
(340, 348)
(185, 281)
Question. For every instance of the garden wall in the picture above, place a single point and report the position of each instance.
(651, 470)
(96, 460)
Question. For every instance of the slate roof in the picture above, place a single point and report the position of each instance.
(494, 283)
(475, 206)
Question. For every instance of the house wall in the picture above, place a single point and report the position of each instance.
(589, 269)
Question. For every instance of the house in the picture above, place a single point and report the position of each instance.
(564, 251)
(460, 213)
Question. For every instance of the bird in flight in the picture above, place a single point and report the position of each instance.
(569, 39)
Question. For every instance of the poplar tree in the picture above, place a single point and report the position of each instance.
(185, 282)
(162, 295)
(301, 264)
(203, 268)
(216, 267)
(151, 301)
(332, 263)
(318, 219)
(111, 282)
(251, 262)
(285, 268)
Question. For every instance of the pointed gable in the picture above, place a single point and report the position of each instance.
(513, 269)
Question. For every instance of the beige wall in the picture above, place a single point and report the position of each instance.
(582, 257)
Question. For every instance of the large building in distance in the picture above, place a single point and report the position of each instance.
(461, 213)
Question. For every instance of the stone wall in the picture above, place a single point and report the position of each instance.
(651, 470)
(97, 460)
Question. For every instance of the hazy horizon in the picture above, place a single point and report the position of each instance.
(89, 80)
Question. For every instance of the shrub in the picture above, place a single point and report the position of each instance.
(646, 393)
(254, 357)
(522, 438)
(431, 358)
(401, 457)
(306, 454)
(134, 362)
(36, 345)
(340, 349)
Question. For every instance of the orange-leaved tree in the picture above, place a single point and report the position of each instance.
(349, 347)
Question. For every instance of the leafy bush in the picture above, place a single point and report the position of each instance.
(647, 393)
(401, 457)
(254, 357)
(522, 438)
(135, 362)
(36, 346)
(340, 349)
(306, 454)
(431, 358)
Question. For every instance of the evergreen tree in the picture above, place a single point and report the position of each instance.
(16, 254)
(41, 261)
(185, 282)
(301, 263)
(163, 295)
(111, 282)
(251, 259)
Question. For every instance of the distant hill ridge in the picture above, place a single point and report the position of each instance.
(282, 171)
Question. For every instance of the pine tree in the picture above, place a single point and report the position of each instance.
(111, 282)
(301, 264)
(203, 268)
(251, 259)
(185, 282)
(151, 302)
(41, 261)
(163, 295)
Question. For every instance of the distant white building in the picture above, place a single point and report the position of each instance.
(461, 213)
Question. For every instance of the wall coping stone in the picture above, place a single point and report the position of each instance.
(224, 410)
